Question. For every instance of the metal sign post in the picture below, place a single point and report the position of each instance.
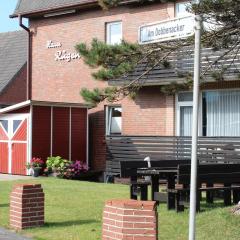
(177, 29)
(194, 161)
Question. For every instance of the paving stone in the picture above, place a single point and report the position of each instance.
(8, 177)
(8, 235)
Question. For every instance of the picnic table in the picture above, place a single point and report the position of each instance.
(209, 174)
(179, 172)
(168, 173)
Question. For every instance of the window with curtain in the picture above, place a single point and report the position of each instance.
(185, 113)
(186, 120)
(221, 113)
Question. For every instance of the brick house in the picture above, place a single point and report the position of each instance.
(57, 26)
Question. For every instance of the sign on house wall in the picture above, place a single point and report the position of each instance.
(62, 55)
(166, 30)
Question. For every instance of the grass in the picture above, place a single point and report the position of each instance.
(74, 211)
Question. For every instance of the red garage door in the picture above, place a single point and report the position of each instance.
(19, 147)
(4, 146)
(13, 144)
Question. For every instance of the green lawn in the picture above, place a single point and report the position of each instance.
(73, 212)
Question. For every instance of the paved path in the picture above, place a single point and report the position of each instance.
(8, 235)
(7, 177)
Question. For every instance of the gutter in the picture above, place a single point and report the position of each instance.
(29, 82)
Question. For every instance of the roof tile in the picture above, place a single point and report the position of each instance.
(28, 6)
(13, 55)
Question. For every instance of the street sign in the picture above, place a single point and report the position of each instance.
(167, 30)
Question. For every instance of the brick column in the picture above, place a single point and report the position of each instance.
(130, 220)
(26, 206)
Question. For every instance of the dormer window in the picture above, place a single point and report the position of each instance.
(114, 33)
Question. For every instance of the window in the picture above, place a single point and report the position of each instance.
(220, 111)
(114, 33)
(16, 124)
(184, 111)
(181, 9)
(113, 120)
(4, 123)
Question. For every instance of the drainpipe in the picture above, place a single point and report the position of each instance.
(28, 93)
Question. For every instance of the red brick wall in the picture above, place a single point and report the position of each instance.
(16, 91)
(62, 81)
(148, 114)
(26, 206)
(130, 219)
(151, 113)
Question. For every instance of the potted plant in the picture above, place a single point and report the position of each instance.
(35, 165)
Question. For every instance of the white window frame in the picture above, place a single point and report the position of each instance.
(107, 114)
(108, 33)
(189, 103)
(178, 106)
(177, 15)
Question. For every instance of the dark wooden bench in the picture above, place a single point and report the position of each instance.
(128, 169)
(226, 174)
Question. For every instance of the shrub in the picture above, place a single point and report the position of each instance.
(58, 165)
(64, 168)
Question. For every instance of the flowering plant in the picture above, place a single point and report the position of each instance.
(78, 167)
(35, 162)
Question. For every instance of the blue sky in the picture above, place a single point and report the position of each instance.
(6, 8)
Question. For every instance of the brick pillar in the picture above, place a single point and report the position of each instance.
(130, 220)
(26, 206)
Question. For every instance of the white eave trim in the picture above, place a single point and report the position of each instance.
(60, 104)
(41, 103)
(15, 107)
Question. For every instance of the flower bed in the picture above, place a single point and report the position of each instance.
(64, 168)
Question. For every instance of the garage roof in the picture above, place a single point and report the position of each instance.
(13, 56)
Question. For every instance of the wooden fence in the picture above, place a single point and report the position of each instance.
(210, 149)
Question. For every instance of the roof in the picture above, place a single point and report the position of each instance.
(13, 55)
(32, 6)
(181, 64)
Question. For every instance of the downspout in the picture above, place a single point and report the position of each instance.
(28, 93)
